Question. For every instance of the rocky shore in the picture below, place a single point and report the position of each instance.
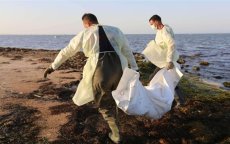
(38, 110)
(192, 64)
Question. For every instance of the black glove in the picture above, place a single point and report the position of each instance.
(49, 70)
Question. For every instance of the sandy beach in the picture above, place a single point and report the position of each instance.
(38, 110)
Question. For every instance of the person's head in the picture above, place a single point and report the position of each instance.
(89, 19)
(155, 21)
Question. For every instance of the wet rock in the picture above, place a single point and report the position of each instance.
(186, 71)
(218, 77)
(204, 63)
(181, 61)
(186, 65)
(226, 84)
(196, 68)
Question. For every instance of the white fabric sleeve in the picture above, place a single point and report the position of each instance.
(170, 42)
(127, 52)
(74, 46)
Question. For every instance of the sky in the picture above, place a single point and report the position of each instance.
(131, 16)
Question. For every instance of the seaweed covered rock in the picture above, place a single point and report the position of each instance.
(181, 60)
(226, 84)
(204, 63)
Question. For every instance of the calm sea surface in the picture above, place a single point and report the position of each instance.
(214, 48)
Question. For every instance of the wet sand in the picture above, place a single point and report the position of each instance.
(38, 110)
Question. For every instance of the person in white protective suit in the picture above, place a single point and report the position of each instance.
(108, 55)
(165, 40)
(155, 99)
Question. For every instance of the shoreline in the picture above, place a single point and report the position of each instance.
(41, 110)
(138, 57)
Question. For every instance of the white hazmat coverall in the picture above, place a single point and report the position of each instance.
(162, 50)
(88, 40)
(155, 99)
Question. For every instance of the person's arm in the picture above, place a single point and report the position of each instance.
(74, 46)
(168, 38)
(127, 52)
(71, 49)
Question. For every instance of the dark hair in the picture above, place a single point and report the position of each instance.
(91, 17)
(155, 18)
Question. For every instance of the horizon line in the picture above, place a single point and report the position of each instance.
(125, 34)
